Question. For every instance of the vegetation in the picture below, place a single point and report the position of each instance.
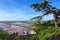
(43, 33)
(49, 30)
(47, 9)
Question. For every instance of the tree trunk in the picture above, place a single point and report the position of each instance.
(55, 18)
(56, 24)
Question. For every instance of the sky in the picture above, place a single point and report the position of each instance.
(18, 10)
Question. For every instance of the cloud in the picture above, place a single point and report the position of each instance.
(9, 16)
(16, 15)
(13, 10)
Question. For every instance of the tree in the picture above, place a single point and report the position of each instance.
(46, 8)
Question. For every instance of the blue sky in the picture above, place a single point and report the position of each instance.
(15, 10)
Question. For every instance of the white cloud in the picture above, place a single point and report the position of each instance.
(9, 16)
(16, 15)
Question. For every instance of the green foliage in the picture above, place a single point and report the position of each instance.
(44, 30)
(49, 32)
(37, 18)
(46, 8)
(43, 33)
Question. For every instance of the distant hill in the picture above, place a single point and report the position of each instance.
(15, 21)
